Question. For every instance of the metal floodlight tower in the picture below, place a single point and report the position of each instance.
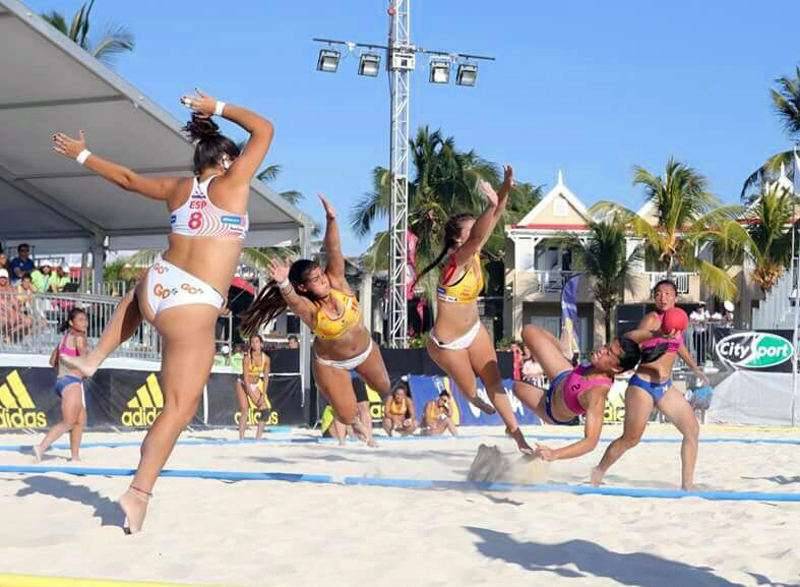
(400, 62)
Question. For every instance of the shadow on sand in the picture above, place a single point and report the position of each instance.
(107, 510)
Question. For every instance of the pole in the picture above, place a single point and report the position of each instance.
(796, 291)
(305, 334)
(400, 61)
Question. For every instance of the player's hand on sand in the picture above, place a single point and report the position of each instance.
(201, 103)
(67, 146)
(544, 452)
(279, 270)
(330, 211)
(488, 192)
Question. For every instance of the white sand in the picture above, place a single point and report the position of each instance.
(280, 533)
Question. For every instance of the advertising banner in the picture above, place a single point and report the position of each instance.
(27, 399)
(754, 350)
(284, 394)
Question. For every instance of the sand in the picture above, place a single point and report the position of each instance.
(282, 533)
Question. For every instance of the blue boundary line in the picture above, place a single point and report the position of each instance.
(417, 483)
(317, 440)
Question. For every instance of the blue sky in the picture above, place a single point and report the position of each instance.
(592, 88)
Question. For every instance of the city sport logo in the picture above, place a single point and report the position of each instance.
(145, 405)
(17, 409)
(754, 350)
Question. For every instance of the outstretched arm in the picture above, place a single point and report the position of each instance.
(302, 307)
(684, 354)
(486, 222)
(156, 188)
(332, 242)
(261, 132)
(592, 429)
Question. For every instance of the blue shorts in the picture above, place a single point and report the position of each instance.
(548, 398)
(63, 382)
(656, 390)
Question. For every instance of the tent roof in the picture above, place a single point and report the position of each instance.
(50, 83)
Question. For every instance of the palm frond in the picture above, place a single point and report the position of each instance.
(786, 101)
(269, 173)
(116, 40)
(768, 172)
(717, 280)
(57, 20)
(372, 205)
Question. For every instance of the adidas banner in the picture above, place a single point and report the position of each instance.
(284, 398)
(27, 399)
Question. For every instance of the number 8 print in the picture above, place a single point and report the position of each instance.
(195, 220)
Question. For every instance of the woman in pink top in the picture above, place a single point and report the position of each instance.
(574, 391)
(69, 386)
(651, 386)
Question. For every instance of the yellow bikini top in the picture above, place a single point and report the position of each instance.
(256, 369)
(328, 328)
(398, 407)
(467, 289)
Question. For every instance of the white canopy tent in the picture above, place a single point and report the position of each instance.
(50, 83)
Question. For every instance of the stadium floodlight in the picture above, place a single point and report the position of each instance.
(369, 64)
(440, 71)
(328, 60)
(467, 74)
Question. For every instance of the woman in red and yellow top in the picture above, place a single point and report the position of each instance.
(458, 342)
(324, 301)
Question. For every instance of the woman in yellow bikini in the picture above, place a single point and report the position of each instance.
(399, 414)
(252, 386)
(458, 342)
(324, 301)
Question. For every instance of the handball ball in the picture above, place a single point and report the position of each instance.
(674, 319)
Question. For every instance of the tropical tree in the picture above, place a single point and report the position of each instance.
(603, 256)
(786, 102)
(444, 184)
(770, 244)
(687, 216)
(115, 39)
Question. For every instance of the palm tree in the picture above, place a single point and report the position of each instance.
(603, 256)
(687, 216)
(444, 184)
(115, 40)
(270, 174)
(770, 246)
(786, 102)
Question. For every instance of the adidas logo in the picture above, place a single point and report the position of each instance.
(17, 409)
(145, 405)
(254, 415)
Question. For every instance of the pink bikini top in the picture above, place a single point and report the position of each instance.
(63, 349)
(673, 344)
(575, 386)
(198, 216)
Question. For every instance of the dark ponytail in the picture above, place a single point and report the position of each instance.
(70, 317)
(269, 303)
(633, 354)
(210, 144)
(451, 231)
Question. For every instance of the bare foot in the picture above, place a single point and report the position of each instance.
(483, 406)
(37, 453)
(134, 504)
(79, 364)
(75, 460)
(596, 476)
(688, 487)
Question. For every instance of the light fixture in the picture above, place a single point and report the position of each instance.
(467, 74)
(328, 60)
(369, 64)
(440, 71)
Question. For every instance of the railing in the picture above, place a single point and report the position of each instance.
(31, 325)
(679, 278)
(551, 281)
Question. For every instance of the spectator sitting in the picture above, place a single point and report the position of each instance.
(41, 277)
(59, 278)
(438, 416)
(3, 261)
(21, 264)
(292, 342)
(398, 411)
(13, 321)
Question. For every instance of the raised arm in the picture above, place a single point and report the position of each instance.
(261, 131)
(332, 243)
(302, 307)
(486, 222)
(156, 188)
